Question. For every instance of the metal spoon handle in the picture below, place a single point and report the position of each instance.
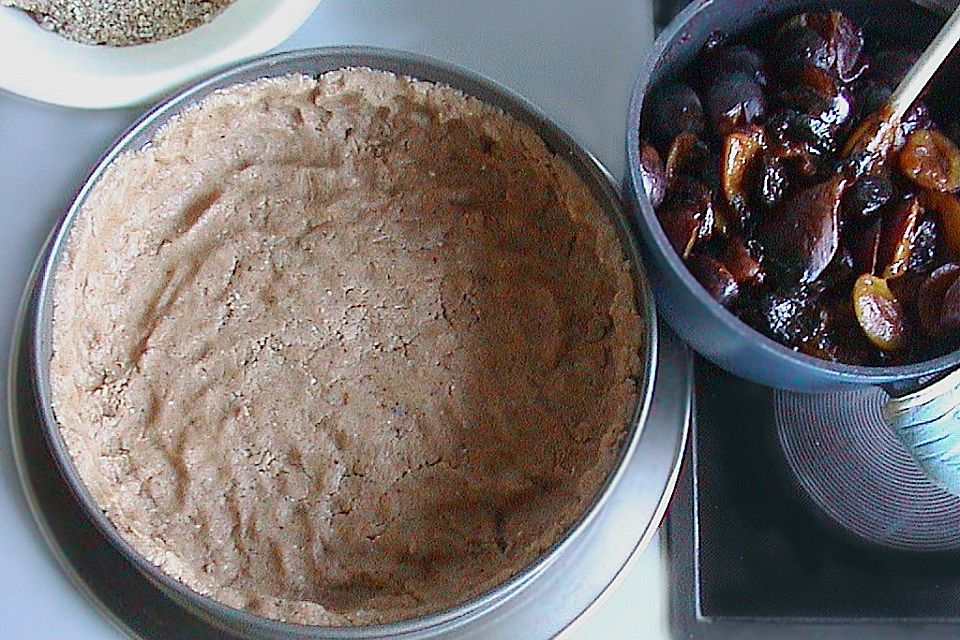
(926, 66)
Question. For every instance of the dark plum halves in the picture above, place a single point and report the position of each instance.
(796, 208)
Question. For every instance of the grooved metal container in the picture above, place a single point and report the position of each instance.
(483, 612)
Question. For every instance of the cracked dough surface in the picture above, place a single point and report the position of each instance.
(343, 350)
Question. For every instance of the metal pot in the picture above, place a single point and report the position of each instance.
(246, 625)
(926, 416)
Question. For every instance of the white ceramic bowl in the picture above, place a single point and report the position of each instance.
(44, 66)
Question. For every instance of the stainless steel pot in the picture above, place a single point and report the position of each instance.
(243, 624)
(926, 416)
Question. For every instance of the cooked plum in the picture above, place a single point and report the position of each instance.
(734, 100)
(800, 207)
(926, 246)
(741, 264)
(916, 118)
(819, 95)
(905, 288)
(673, 109)
(947, 208)
(791, 317)
(740, 157)
(930, 299)
(802, 238)
(736, 58)
(687, 216)
(880, 315)
(772, 183)
(896, 239)
(798, 44)
(869, 147)
(688, 157)
(950, 311)
(844, 40)
(930, 159)
(799, 158)
(838, 337)
(863, 242)
(835, 347)
(840, 271)
(865, 197)
(653, 174)
(827, 40)
(792, 126)
(714, 277)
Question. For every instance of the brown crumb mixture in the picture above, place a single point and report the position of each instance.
(343, 350)
(120, 23)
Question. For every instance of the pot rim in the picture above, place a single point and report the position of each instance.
(311, 62)
(646, 218)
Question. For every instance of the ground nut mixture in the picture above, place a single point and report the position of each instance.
(343, 350)
(120, 22)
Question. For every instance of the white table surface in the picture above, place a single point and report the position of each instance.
(575, 59)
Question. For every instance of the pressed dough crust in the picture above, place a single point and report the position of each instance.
(343, 350)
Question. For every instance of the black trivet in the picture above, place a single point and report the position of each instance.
(800, 517)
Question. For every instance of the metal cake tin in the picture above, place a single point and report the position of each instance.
(477, 611)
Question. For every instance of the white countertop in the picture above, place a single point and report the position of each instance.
(576, 60)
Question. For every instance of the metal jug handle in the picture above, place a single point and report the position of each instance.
(928, 422)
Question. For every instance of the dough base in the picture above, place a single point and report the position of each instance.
(344, 350)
